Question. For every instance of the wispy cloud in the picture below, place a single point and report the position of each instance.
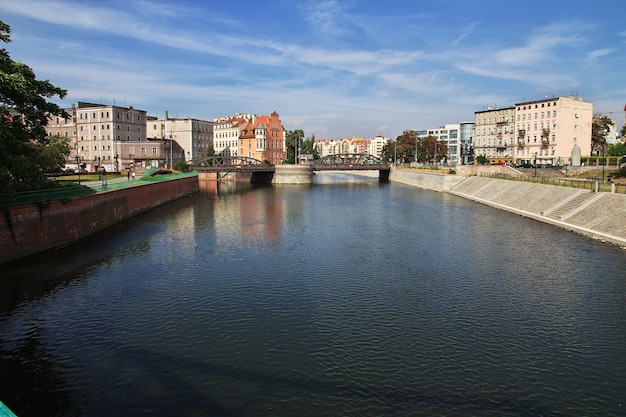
(599, 53)
(336, 67)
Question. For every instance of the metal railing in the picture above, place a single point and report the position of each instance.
(91, 187)
(594, 184)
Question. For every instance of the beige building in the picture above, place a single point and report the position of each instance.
(98, 133)
(544, 131)
(548, 129)
(494, 134)
(227, 131)
(182, 139)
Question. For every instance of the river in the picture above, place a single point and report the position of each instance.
(348, 297)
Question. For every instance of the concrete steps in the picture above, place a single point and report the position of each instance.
(568, 207)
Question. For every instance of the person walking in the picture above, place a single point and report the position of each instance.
(133, 175)
(128, 175)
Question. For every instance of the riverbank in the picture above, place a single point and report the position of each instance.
(33, 228)
(600, 216)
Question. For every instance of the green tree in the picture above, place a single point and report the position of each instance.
(405, 146)
(293, 137)
(433, 150)
(308, 147)
(52, 154)
(616, 149)
(23, 117)
(482, 159)
(600, 127)
(387, 153)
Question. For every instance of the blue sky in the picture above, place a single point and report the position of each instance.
(332, 68)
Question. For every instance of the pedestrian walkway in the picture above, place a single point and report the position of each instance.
(113, 184)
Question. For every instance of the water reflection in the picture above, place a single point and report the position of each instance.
(331, 299)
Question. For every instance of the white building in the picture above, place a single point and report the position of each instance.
(451, 134)
(194, 137)
(355, 145)
(227, 131)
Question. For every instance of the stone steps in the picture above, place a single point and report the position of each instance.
(570, 206)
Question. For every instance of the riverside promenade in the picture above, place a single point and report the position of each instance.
(601, 216)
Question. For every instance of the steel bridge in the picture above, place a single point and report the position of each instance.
(348, 162)
(336, 162)
(230, 164)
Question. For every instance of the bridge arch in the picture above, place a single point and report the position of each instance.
(349, 161)
(228, 162)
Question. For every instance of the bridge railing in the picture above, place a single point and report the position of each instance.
(349, 161)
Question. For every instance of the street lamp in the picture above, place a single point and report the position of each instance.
(295, 150)
(77, 162)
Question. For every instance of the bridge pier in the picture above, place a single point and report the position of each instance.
(293, 174)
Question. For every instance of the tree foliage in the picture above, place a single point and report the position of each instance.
(293, 137)
(616, 149)
(308, 147)
(600, 127)
(23, 117)
(409, 147)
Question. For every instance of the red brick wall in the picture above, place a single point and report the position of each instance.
(34, 231)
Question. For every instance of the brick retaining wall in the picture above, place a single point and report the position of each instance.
(35, 229)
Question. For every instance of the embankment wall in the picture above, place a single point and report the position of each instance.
(30, 229)
(602, 218)
(424, 179)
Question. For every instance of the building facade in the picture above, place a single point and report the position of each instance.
(98, 132)
(182, 139)
(494, 134)
(356, 145)
(227, 131)
(263, 138)
(252, 136)
(451, 135)
(542, 131)
(547, 130)
(467, 140)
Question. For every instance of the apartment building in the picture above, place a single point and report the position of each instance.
(263, 138)
(544, 131)
(226, 133)
(494, 134)
(181, 139)
(352, 145)
(548, 129)
(98, 132)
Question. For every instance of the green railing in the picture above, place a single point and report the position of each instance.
(588, 184)
(91, 187)
(45, 196)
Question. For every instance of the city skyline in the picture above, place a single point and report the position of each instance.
(333, 69)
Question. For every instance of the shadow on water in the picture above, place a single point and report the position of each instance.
(23, 279)
(36, 383)
(169, 379)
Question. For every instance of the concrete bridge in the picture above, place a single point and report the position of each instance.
(241, 168)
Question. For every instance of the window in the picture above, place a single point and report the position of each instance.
(154, 151)
(143, 151)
